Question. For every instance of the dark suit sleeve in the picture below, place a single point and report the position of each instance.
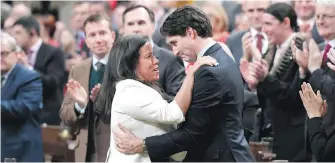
(27, 102)
(323, 146)
(205, 96)
(174, 76)
(55, 71)
(283, 92)
(320, 80)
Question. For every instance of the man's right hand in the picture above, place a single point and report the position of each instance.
(77, 92)
(95, 92)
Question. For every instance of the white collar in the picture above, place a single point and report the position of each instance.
(331, 43)
(310, 22)
(36, 46)
(203, 50)
(103, 60)
(287, 42)
(254, 32)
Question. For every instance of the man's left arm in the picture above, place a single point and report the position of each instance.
(206, 96)
(174, 76)
(55, 71)
(27, 102)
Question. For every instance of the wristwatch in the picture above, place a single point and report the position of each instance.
(144, 147)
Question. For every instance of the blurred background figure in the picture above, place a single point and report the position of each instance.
(45, 59)
(20, 10)
(305, 10)
(219, 20)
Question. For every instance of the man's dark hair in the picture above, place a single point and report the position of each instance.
(29, 23)
(134, 7)
(96, 18)
(281, 11)
(188, 16)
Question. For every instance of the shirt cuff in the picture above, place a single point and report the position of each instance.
(79, 109)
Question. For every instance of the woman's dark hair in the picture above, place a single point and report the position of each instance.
(281, 11)
(121, 65)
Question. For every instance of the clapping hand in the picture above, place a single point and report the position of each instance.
(331, 56)
(77, 92)
(315, 57)
(313, 103)
(301, 57)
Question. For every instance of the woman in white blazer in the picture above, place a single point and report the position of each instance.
(131, 96)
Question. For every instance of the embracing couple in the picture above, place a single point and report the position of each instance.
(208, 106)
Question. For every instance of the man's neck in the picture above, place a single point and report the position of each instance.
(286, 36)
(31, 43)
(329, 38)
(202, 43)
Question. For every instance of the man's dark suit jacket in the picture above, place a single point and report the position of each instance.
(322, 145)
(171, 72)
(50, 64)
(21, 103)
(323, 79)
(279, 96)
(213, 129)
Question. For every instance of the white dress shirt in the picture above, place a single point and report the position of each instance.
(95, 59)
(144, 112)
(265, 41)
(35, 48)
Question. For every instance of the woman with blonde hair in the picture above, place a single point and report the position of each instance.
(219, 20)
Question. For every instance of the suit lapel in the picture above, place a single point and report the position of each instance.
(41, 56)
(9, 82)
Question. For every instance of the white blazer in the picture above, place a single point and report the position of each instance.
(143, 111)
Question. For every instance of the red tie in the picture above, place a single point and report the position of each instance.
(259, 42)
(324, 59)
(190, 64)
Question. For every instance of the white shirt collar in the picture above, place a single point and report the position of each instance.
(203, 50)
(36, 46)
(310, 22)
(287, 42)
(331, 43)
(254, 32)
(103, 60)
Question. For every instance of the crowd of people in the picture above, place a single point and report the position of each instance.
(171, 81)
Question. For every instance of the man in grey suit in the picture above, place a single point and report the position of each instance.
(139, 19)
(254, 10)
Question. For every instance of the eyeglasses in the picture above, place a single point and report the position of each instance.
(325, 16)
(5, 53)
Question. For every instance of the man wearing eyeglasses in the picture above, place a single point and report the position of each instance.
(321, 74)
(21, 99)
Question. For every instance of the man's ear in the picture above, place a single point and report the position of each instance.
(191, 32)
(113, 36)
(287, 22)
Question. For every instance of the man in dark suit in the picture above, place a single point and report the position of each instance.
(213, 128)
(139, 19)
(47, 61)
(21, 101)
(279, 81)
(305, 10)
(254, 11)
